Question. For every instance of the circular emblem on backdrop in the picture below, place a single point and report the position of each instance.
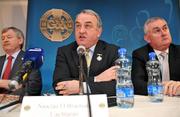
(56, 25)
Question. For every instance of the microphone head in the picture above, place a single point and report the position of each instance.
(13, 85)
(81, 50)
(35, 55)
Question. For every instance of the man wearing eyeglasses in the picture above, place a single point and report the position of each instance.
(158, 37)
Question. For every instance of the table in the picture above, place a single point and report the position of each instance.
(170, 107)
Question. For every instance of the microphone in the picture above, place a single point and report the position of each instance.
(33, 59)
(81, 50)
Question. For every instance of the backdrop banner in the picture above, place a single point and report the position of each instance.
(123, 22)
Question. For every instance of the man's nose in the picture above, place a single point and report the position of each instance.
(82, 30)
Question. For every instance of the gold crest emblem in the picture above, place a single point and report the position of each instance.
(27, 107)
(102, 105)
(56, 25)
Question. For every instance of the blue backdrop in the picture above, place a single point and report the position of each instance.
(122, 24)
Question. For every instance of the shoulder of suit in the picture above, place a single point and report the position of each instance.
(108, 45)
(175, 49)
(20, 55)
(142, 51)
(3, 56)
(142, 48)
(175, 46)
(22, 52)
(70, 46)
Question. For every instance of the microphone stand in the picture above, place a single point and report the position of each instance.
(88, 93)
(24, 86)
(81, 88)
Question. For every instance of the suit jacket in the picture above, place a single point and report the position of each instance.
(139, 73)
(34, 85)
(67, 66)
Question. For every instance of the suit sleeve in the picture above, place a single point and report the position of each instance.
(35, 83)
(62, 70)
(107, 87)
(139, 74)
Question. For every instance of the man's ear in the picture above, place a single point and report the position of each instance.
(21, 41)
(99, 31)
(146, 38)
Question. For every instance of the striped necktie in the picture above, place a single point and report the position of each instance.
(164, 66)
(8, 68)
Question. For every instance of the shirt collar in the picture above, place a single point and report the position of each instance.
(91, 49)
(159, 52)
(14, 55)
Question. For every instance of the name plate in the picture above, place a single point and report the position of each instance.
(64, 106)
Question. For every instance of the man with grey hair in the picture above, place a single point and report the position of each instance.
(100, 71)
(158, 37)
(12, 61)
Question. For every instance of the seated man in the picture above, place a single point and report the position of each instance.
(11, 62)
(100, 73)
(159, 40)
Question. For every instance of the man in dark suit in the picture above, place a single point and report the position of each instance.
(12, 43)
(101, 72)
(159, 40)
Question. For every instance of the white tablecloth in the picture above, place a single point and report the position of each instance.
(170, 107)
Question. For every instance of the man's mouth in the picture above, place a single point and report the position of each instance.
(82, 37)
(6, 44)
(165, 38)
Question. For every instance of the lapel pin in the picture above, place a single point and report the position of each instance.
(99, 57)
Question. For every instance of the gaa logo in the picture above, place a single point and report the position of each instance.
(56, 25)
